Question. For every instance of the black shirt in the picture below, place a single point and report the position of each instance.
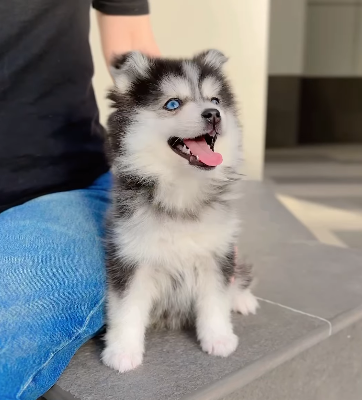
(50, 135)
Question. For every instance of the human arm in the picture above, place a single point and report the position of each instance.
(125, 26)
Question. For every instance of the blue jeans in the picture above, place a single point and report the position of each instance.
(52, 286)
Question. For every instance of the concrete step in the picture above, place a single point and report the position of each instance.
(303, 344)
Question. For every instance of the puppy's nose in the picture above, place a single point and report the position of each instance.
(212, 116)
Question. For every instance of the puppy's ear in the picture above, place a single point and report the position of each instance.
(127, 67)
(213, 58)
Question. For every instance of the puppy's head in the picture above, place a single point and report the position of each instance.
(172, 115)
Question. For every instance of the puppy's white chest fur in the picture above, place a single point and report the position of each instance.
(173, 243)
(182, 234)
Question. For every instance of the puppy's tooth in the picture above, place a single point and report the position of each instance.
(197, 158)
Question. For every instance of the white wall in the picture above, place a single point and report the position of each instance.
(316, 38)
(237, 27)
(334, 38)
(330, 41)
(359, 43)
(287, 34)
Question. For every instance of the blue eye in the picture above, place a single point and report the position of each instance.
(173, 104)
(215, 100)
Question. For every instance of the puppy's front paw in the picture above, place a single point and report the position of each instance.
(121, 360)
(245, 302)
(220, 344)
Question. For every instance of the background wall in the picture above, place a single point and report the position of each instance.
(315, 72)
(287, 34)
(240, 29)
(316, 38)
(286, 66)
(334, 38)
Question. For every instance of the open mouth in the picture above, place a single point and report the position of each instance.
(199, 151)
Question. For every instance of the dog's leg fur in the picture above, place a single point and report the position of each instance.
(241, 297)
(242, 300)
(213, 319)
(128, 317)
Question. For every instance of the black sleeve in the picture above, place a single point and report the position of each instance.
(121, 7)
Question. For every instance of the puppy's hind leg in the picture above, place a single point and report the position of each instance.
(242, 299)
(213, 320)
(128, 317)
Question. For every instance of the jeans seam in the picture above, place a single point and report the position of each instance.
(62, 346)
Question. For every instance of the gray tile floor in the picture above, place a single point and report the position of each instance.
(322, 187)
(174, 364)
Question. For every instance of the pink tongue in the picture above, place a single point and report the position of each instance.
(199, 147)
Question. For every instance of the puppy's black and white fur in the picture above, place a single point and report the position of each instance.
(173, 223)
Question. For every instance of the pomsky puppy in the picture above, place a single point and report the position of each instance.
(174, 145)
